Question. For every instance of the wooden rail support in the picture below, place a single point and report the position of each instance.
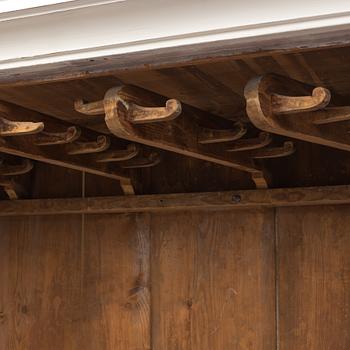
(287, 149)
(16, 128)
(25, 146)
(130, 152)
(147, 161)
(101, 144)
(287, 107)
(46, 138)
(207, 136)
(25, 166)
(261, 141)
(13, 189)
(164, 127)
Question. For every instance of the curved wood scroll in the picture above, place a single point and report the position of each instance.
(58, 138)
(207, 136)
(248, 144)
(300, 114)
(18, 169)
(274, 152)
(89, 108)
(118, 155)
(101, 144)
(12, 128)
(143, 162)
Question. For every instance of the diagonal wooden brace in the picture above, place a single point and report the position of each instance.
(300, 118)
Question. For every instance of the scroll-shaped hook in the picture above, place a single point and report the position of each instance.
(58, 138)
(261, 141)
(287, 149)
(11, 128)
(25, 166)
(143, 162)
(89, 108)
(140, 115)
(101, 144)
(207, 136)
(282, 104)
(130, 152)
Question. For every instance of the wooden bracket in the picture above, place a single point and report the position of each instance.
(58, 138)
(287, 107)
(24, 167)
(162, 127)
(25, 147)
(13, 189)
(101, 144)
(130, 152)
(89, 108)
(207, 136)
(274, 152)
(147, 161)
(249, 144)
(15, 128)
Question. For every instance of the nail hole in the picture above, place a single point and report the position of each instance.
(236, 198)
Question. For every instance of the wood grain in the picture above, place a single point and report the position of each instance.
(213, 281)
(314, 278)
(67, 287)
(229, 200)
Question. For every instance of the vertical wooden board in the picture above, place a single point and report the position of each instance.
(116, 291)
(39, 289)
(314, 278)
(213, 281)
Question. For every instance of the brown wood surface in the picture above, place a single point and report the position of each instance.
(213, 281)
(314, 278)
(68, 285)
(230, 200)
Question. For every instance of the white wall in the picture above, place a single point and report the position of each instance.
(86, 31)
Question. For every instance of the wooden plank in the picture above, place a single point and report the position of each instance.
(189, 201)
(40, 290)
(69, 285)
(213, 281)
(24, 146)
(314, 278)
(116, 283)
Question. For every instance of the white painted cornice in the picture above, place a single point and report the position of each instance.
(83, 29)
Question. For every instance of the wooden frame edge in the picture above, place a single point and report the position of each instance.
(329, 195)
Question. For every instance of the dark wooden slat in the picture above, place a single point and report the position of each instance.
(188, 201)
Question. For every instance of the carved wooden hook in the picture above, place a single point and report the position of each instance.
(130, 152)
(58, 138)
(23, 167)
(10, 128)
(208, 136)
(306, 117)
(101, 144)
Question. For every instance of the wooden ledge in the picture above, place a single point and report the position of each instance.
(331, 195)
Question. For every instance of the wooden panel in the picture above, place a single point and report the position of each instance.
(213, 281)
(40, 282)
(116, 287)
(314, 278)
(64, 287)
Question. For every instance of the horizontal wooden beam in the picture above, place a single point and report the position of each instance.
(330, 195)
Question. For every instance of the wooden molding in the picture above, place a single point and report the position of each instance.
(230, 200)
